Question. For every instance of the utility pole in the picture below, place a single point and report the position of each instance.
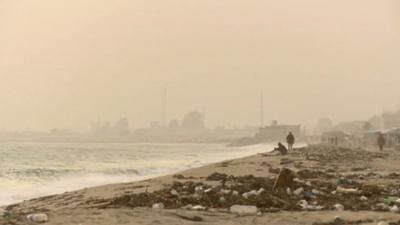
(262, 109)
(164, 107)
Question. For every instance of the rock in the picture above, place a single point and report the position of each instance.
(339, 221)
(37, 217)
(284, 179)
(244, 210)
(338, 207)
(315, 192)
(158, 205)
(298, 191)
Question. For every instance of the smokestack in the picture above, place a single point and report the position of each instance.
(262, 109)
(164, 107)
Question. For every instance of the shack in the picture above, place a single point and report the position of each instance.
(277, 132)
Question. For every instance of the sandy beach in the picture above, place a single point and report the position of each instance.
(325, 178)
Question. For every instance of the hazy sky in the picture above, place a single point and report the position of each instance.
(64, 63)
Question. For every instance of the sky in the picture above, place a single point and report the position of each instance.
(67, 63)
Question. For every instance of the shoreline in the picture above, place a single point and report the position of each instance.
(127, 165)
(105, 202)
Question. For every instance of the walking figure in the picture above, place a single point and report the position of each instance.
(381, 141)
(290, 140)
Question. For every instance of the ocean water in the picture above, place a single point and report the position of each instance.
(29, 170)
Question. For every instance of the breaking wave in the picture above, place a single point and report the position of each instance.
(29, 170)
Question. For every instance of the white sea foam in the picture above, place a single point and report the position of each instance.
(29, 170)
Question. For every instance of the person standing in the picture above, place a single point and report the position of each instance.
(381, 141)
(290, 140)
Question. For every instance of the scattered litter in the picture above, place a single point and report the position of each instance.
(174, 192)
(298, 191)
(158, 205)
(346, 190)
(338, 207)
(288, 191)
(244, 210)
(394, 209)
(37, 217)
(305, 206)
(198, 189)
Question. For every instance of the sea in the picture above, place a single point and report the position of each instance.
(30, 170)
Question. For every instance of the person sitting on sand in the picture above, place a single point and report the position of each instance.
(281, 149)
(381, 141)
(290, 140)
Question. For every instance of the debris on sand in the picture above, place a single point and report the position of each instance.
(190, 217)
(319, 187)
(284, 179)
(217, 177)
(37, 217)
(158, 205)
(244, 210)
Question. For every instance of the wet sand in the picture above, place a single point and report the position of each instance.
(319, 171)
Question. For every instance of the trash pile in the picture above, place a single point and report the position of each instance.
(306, 190)
(332, 154)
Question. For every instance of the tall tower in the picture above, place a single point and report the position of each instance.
(262, 109)
(164, 107)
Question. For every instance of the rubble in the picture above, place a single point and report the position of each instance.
(316, 188)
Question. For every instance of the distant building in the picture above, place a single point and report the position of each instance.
(392, 137)
(277, 132)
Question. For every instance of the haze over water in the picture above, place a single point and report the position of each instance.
(65, 64)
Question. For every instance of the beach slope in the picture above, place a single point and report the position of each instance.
(321, 182)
